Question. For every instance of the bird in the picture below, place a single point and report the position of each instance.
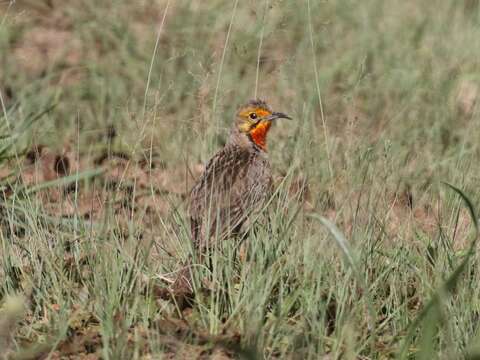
(237, 180)
(235, 184)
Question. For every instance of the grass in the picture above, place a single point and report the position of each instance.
(368, 255)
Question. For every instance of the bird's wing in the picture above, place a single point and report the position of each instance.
(219, 195)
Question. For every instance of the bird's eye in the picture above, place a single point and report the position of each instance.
(253, 116)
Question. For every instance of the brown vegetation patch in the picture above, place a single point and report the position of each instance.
(43, 47)
(125, 183)
(467, 97)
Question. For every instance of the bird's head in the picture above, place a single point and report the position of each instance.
(254, 120)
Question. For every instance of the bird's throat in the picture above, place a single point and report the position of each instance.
(259, 134)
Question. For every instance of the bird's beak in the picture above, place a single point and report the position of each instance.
(277, 115)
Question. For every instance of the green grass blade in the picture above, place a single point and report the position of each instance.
(61, 181)
(434, 305)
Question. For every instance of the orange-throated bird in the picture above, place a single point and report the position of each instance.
(237, 180)
(235, 184)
